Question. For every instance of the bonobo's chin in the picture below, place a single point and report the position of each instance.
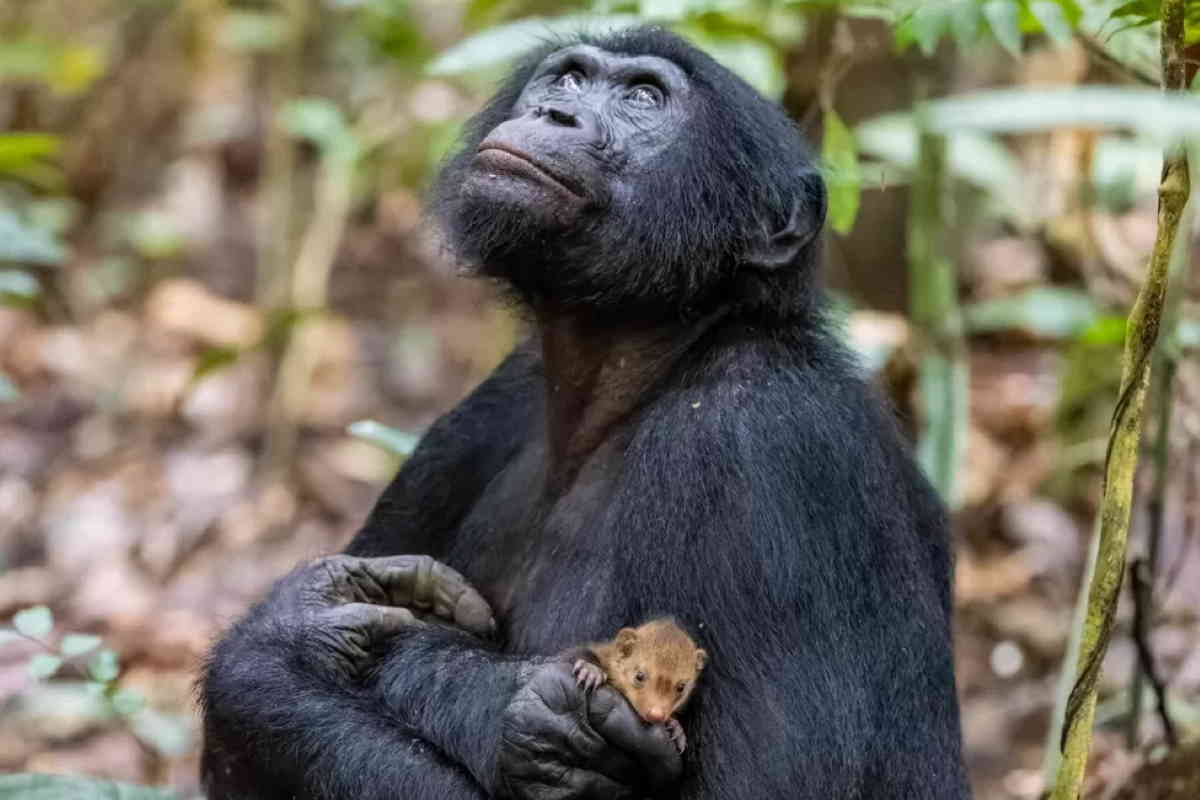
(532, 202)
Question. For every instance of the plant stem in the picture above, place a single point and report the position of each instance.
(1124, 434)
(933, 289)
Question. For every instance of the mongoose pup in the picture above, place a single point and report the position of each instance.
(654, 666)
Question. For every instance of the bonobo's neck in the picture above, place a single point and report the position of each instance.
(597, 374)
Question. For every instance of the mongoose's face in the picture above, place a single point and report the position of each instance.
(655, 668)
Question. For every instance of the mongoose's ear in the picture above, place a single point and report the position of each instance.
(626, 639)
(701, 660)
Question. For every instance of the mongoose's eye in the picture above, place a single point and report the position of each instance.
(679, 689)
(639, 678)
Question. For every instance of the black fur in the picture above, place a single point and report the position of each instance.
(675, 240)
(760, 493)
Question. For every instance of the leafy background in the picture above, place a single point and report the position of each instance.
(224, 321)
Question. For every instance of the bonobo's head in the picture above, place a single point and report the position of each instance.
(632, 175)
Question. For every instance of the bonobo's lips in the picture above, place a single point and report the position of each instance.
(502, 157)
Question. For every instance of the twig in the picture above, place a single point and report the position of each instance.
(1139, 573)
(1097, 51)
(938, 318)
(1125, 432)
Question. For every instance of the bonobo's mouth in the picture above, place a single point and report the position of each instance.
(501, 157)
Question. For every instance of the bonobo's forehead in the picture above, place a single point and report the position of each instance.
(617, 64)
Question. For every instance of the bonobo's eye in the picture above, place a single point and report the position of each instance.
(680, 687)
(644, 95)
(639, 678)
(571, 80)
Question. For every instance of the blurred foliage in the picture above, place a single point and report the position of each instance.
(340, 82)
(95, 692)
(63, 787)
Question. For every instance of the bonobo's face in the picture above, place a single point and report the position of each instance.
(585, 122)
(632, 176)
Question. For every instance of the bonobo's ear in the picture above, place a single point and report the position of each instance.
(626, 639)
(779, 248)
(701, 660)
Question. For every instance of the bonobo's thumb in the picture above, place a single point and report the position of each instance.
(614, 719)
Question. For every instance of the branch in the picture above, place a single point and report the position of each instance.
(1124, 434)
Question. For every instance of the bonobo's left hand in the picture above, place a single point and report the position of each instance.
(558, 742)
(349, 604)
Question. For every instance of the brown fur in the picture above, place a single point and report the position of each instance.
(662, 655)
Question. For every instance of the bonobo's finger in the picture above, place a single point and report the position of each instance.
(614, 719)
(546, 782)
(565, 722)
(427, 585)
(374, 621)
(344, 637)
(413, 581)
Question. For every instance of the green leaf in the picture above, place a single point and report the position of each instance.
(1188, 334)
(19, 149)
(43, 665)
(1072, 12)
(254, 31)
(1044, 311)
(669, 10)
(1053, 20)
(23, 244)
(167, 733)
(19, 285)
(1106, 331)
(155, 235)
(1004, 18)
(104, 666)
(976, 158)
(64, 787)
(496, 46)
(36, 622)
(76, 644)
(214, 359)
(840, 158)
(1148, 111)
(8, 390)
(127, 701)
(1147, 9)
(942, 385)
(395, 441)
(928, 24)
(750, 58)
(966, 21)
(319, 121)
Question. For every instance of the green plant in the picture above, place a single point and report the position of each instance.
(97, 670)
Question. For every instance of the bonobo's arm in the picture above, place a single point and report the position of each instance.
(297, 703)
(289, 709)
(278, 725)
(331, 689)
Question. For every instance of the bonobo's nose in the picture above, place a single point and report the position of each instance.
(655, 715)
(558, 116)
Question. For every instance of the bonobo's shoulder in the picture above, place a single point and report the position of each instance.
(796, 389)
(762, 369)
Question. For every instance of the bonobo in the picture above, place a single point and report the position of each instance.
(682, 434)
(654, 666)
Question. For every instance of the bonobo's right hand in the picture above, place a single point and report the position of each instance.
(558, 742)
(347, 605)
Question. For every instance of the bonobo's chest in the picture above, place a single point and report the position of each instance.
(540, 553)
